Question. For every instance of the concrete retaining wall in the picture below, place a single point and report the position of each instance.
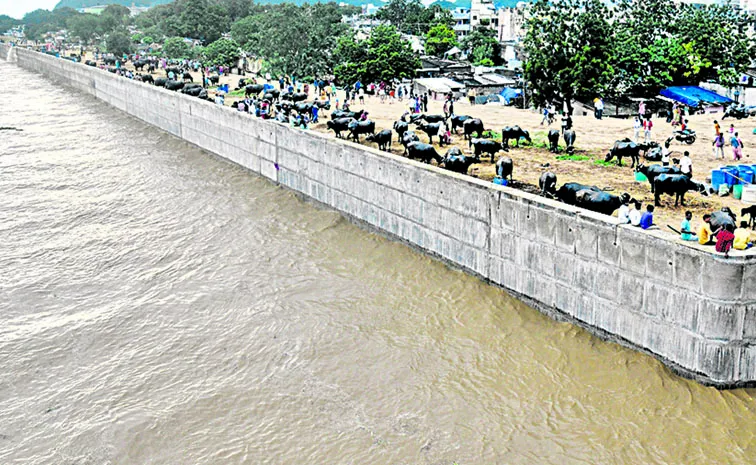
(692, 310)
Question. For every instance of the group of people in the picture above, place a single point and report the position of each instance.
(720, 139)
(724, 238)
(634, 216)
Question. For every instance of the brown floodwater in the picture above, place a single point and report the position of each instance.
(159, 305)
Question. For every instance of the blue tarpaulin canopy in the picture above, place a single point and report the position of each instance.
(694, 95)
(510, 93)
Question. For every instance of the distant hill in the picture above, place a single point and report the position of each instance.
(75, 4)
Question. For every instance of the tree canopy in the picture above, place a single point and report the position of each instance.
(411, 17)
(440, 39)
(483, 47)
(292, 39)
(119, 42)
(580, 49)
(383, 56)
(222, 52)
(175, 48)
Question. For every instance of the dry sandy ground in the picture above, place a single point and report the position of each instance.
(594, 138)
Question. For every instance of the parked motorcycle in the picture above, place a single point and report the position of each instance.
(739, 112)
(686, 137)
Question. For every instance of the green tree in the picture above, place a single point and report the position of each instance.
(223, 52)
(292, 39)
(383, 56)
(439, 39)
(482, 44)
(175, 48)
(114, 17)
(569, 51)
(6, 23)
(350, 56)
(84, 27)
(147, 40)
(118, 42)
(411, 17)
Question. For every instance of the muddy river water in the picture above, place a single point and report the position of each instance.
(159, 305)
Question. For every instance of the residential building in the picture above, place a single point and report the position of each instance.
(512, 23)
(462, 22)
(483, 13)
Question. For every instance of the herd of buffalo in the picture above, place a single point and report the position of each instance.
(353, 124)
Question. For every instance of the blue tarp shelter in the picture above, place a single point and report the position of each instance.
(510, 93)
(692, 96)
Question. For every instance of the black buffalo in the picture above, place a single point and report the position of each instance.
(339, 125)
(401, 127)
(751, 212)
(361, 127)
(415, 118)
(456, 161)
(175, 71)
(504, 168)
(547, 183)
(194, 91)
(624, 148)
(383, 139)
(303, 107)
(148, 78)
(296, 97)
(423, 152)
(569, 140)
(567, 192)
(160, 82)
(472, 126)
(599, 201)
(90, 63)
(486, 146)
(346, 114)
(174, 85)
(457, 121)
(430, 129)
(652, 171)
(677, 185)
(553, 141)
(215, 79)
(514, 132)
(407, 138)
(433, 118)
(253, 89)
(722, 219)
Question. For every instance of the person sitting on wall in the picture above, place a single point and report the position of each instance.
(686, 230)
(647, 220)
(742, 239)
(725, 239)
(635, 214)
(704, 232)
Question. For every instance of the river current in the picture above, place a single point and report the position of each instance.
(159, 305)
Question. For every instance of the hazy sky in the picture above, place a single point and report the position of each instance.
(18, 8)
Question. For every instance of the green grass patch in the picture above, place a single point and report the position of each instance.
(493, 135)
(236, 93)
(604, 163)
(573, 157)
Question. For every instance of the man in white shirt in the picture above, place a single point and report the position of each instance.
(624, 211)
(686, 165)
(635, 214)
